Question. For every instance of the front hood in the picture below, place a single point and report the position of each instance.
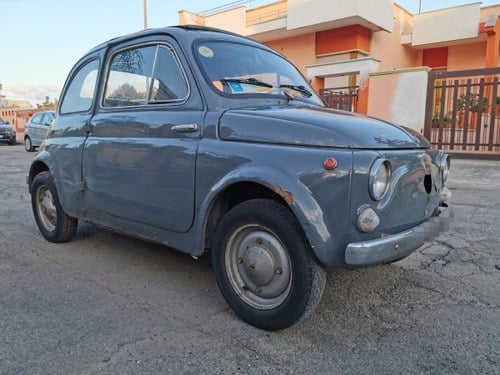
(314, 126)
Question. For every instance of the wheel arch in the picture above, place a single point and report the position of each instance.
(241, 186)
(229, 197)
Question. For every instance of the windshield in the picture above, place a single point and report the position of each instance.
(2, 122)
(239, 69)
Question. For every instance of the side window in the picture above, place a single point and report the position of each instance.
(80, 92)
(129, 77)
(37, 119)
(169, 83)
(144, 75)
(47, 119)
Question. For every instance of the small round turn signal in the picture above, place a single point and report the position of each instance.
(330, 163)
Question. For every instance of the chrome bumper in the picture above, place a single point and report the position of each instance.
(399, 245)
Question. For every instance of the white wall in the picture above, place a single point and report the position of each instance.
(399, 96)
(446, 25)
(303, 13)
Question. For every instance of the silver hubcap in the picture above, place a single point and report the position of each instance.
(46, 208)
(27, 143)
(258, 266)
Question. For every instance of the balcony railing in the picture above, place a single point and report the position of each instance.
(254, 18)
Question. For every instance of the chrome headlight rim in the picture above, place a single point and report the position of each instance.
(444, 167)
(376, 167)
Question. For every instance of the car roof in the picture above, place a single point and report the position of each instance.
(183, 33)
(50, 111)
(42, 112)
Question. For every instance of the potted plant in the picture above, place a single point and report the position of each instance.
(471, 102)
(436, 120)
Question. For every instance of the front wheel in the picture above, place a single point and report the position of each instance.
(28, 145)
(54, 224)
(264, 265)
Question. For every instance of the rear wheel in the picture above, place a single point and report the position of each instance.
(264, 265)
(28, 145)
(54, 224)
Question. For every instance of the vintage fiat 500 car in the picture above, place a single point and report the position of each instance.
(203, 140)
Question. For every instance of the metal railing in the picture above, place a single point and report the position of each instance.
(463, 111)
(267, 16)
(343, 98)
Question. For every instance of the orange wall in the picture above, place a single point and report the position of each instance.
(266, 12)
(486, 11)
(343, 39)
(435, 57)
(466, 56)
(387, 47)
(299, 50)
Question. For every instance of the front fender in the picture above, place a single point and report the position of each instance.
(296, 195)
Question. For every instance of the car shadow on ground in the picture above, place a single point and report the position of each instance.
(348, 294)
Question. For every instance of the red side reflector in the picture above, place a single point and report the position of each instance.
(330, 163)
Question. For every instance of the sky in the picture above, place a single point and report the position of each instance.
(40, 40)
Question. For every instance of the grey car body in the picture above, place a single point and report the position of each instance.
(36, 129)
(7, 132)
(179, 170)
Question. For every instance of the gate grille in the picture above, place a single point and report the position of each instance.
(463, 111)
(343, 98)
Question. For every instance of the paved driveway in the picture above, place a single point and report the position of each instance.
(106, 303)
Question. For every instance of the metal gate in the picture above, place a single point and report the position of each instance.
(463, 111)
(343, 98)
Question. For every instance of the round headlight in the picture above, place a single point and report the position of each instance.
(380, 175)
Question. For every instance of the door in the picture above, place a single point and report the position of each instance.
(65, 144)
(139, 159)
(43, 127)
(34, 128)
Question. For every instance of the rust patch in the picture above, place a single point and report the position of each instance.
(286, 195)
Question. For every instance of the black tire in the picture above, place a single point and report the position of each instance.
(13, 142)
(264, 266)
(54, 224)
(28, 145)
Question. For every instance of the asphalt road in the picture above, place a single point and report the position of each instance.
(107, 303)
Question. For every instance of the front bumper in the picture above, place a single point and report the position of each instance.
(7, 138)
(399, 245)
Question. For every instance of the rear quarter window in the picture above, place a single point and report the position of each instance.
(80, 92)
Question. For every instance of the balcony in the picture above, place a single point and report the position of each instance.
(445, 27)
(287, 18)
(295, 17)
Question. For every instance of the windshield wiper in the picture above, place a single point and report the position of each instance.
(248, 81)
(258, 82)
(300, 89)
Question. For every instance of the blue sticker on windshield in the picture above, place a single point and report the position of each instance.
(235, 86)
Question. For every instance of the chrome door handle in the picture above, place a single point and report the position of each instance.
(188, 128)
